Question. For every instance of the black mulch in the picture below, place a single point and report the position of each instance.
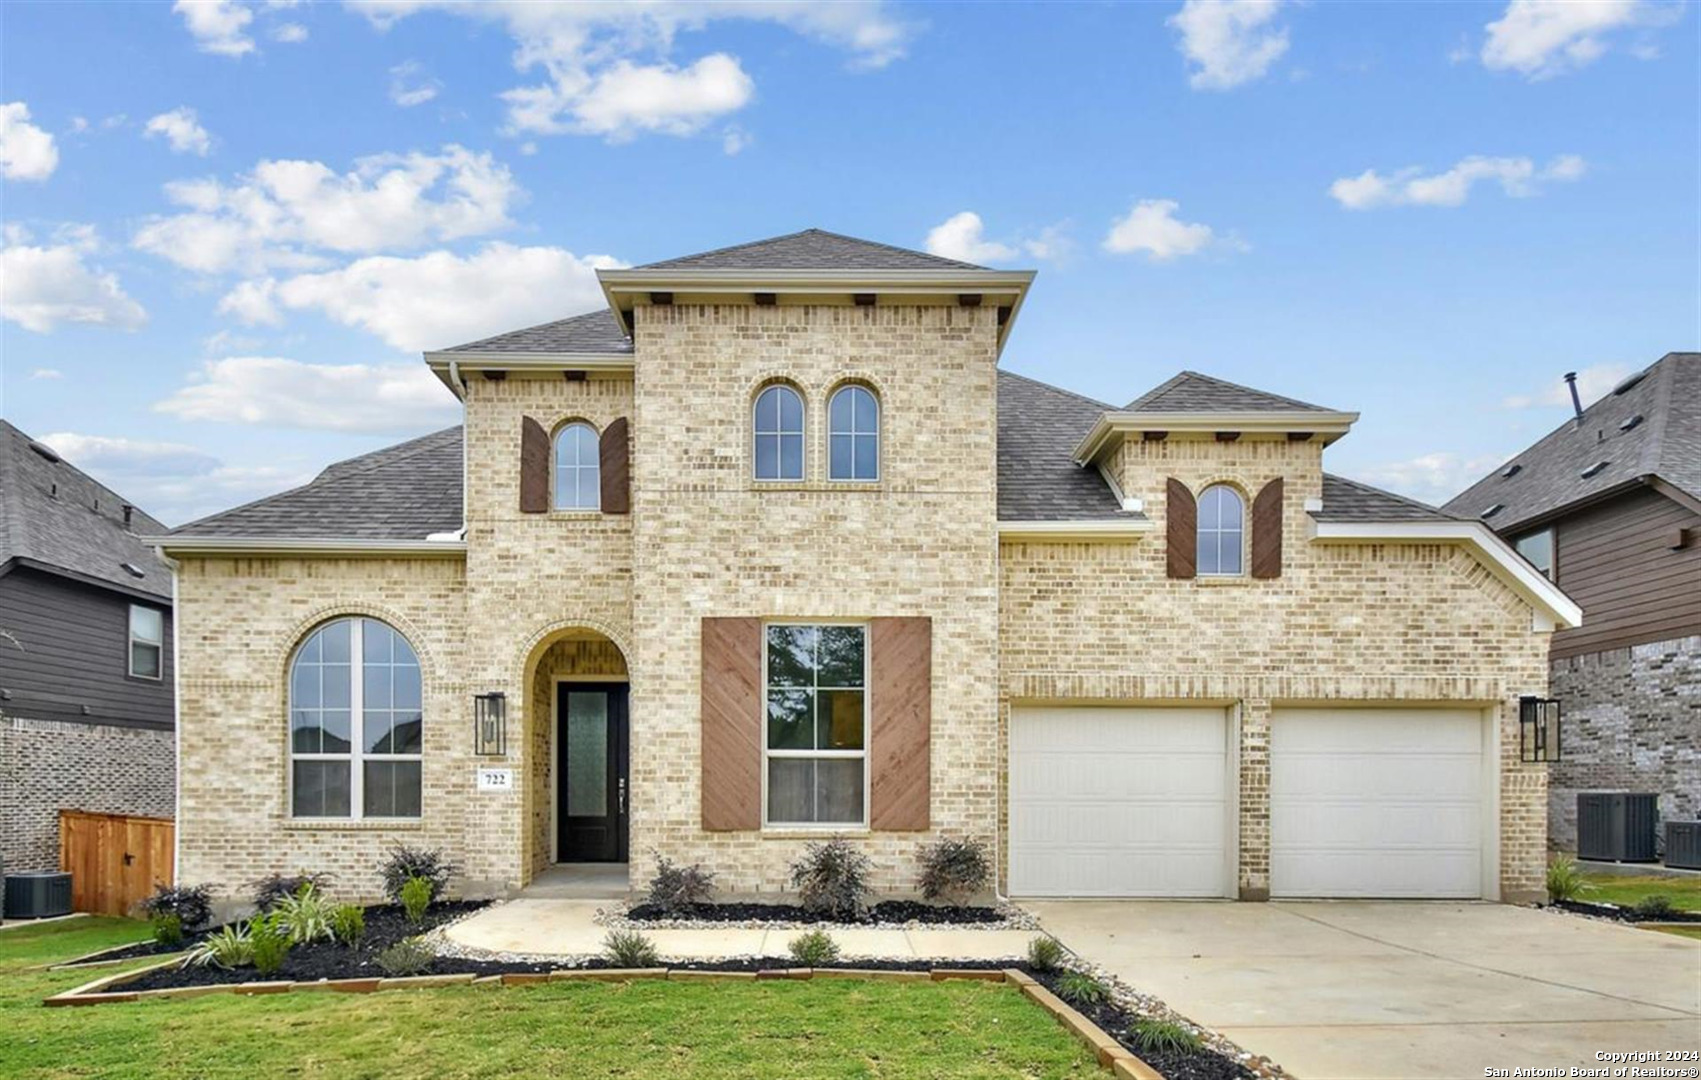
(1207, 1064)
(887, 911)
(1624, 914)
(138, 950)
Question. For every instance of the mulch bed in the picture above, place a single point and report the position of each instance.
(137, 951)
(1624, 914)
(1207, 1064)
(887, 911)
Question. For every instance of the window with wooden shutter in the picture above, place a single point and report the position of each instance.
(534, 467)
(1183, 516)
(731, 724)
(900, 722)
(616, 469)
(1267, 531)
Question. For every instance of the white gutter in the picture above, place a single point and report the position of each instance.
(1553, 609)
(329, 546)
(1104, 531)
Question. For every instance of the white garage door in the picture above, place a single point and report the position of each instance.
(1118, 802)
(1377, 802)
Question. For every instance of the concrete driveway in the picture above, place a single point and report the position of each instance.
(1383, 989)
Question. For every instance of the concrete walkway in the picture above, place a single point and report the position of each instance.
(551, 927)
(1404, 991)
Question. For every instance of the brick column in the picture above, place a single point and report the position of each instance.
(1254, 875)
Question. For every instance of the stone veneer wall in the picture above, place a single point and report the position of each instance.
(1348, 623)
(1632, 722)
(47, 766)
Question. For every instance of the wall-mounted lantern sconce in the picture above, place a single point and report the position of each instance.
(1538, 729)
(490, 727)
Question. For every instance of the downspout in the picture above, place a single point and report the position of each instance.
(176, 722)
(461, 392)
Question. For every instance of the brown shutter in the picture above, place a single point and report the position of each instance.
(1267, 531)
(732, 724)
(1183, 514)
(900, 660)
(614, 469)
(534, 467)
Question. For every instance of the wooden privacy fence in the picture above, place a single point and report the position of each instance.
(114, 860)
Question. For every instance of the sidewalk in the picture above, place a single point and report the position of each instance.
(548, 927)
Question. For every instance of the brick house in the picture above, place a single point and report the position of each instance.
(770, 550)
(1608, 506)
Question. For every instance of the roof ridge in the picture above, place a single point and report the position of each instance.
(1408, 500)
(1060, 389)
(812, 231)
(402, 456)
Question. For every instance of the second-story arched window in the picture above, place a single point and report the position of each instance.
(779, 434)
(578, 481)
(853, 435)
(1222, 526)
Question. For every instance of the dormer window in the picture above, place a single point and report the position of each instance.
(853, 435)
(578, 483)
(1222, 527)
(779, 434)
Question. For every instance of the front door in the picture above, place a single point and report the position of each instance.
(591, 771)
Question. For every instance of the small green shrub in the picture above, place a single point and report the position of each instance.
(348, 924)
(193, 905)
(227, 947)
(306, 916)
(416, 898)
(1163, 1037)
(1564, 880)
(832, 879)
(409, 956)
(630, 949)
(954, 870)
(270, 944)
(1044, 953)
(675, 888)
(168, 929)
(1079, 988)
(814, 949)
(270, 891)
(1658, 906)
(405, 863)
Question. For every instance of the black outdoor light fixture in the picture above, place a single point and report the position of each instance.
(490, 728)
(1538, 729)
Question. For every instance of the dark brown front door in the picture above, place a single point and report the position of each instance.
(590, 730)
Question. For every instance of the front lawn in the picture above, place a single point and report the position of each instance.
(1683, 892)
(829, 1028)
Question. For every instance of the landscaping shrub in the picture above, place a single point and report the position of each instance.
(193, 905)
(405, 863)
(675, 888)
(270, 890)
(954, 870)
(832, 879)
(416, 898)
(1044, 953)
(409, 956)
(305, 915)
(813, 949)
(1564, 880)
(1658, 906)
(228, 947)
(168, 929)
(1079, 988)
(348, 924)
(1163, 1037)
(270, 943)
(630, 949)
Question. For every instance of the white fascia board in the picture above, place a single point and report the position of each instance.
(1553, 609)
(448, 366)
(1112, 424)
(328, 546)
(1113, 531)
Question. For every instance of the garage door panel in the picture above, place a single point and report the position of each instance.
(1149, 778)
(1352, 776)
(1424, 826)
(1401, 875)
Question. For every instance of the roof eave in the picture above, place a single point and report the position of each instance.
(175, 546)
(447, 364)
(1112, 425)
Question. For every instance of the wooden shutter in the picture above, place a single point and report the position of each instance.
(900, 661)
(1267, 531)
(1183, 515)
(732, 724)
(614, 469)
(534, 467)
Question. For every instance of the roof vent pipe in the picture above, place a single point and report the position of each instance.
(1576, 404)
(129, 514)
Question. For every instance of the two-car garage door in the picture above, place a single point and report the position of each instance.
(1364, 802)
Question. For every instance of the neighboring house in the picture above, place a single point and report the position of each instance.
(770, 551)
(86, 673)
(1609, 507)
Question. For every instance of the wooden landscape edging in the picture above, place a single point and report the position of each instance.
(1122, 1063)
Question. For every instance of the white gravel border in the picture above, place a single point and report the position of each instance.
(1014, 918)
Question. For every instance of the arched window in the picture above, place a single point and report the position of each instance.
(578, 478)
(779, 434)
(1222, 523)
(853, 435)
(355, 723)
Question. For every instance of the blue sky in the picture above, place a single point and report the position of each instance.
(231, 228)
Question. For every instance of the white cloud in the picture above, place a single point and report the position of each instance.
(46, 286)
(218, 26)
(626, 99)
(182, 129)
(1543, 38)
(1517, 176)
(47, 373)
(1432, 478)
(26, 151)
(289, 33)
(284, 212)
(173, 482)
(1229, 42)
(410, 86)
(1152, 227)
(734, 141)
(280, 392)
(960, 237)
(253, 302)
(1593, 383)
(439, 299)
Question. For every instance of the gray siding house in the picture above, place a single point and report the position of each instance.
(86, 665)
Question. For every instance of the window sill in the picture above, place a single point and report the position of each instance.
(353, 824)
(816, 485)
(1222, 581)
(800, 832)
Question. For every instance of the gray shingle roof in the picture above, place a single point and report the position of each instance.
(811, 249)
(403, 492)
(1349, 500)
(595, 332)
(1038, 480)
(54, 514)
(1665, 443)
(1193, 392)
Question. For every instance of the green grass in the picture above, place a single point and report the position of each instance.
(828, 1028)
(1680, 931)
(1685, 892)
